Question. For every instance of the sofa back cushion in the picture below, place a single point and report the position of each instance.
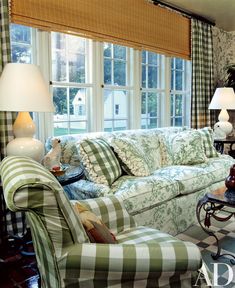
(184, 148)
(131, 156)
(100, 163)
(207, 140)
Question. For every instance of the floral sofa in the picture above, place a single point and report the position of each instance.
(159, 173)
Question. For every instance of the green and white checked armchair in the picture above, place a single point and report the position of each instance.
(143, 257)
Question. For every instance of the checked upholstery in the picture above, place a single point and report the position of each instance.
(143, 257)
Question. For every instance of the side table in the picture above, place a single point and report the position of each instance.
(71, 175)
(211, 203)
(219, 145)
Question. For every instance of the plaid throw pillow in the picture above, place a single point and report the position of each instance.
(207, 140)
(100, 163)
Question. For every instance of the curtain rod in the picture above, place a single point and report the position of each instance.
(185, 13)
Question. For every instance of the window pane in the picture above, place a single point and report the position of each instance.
(108, 104)
(77, 104)
(108, 126)
(57, 41)
(172, 105)
(120, 125)
(120, 100)
(144, 57)
(178, 122)
(107, 71)
(21, 54)
(60, 103)
(143, 105)
(60, 128)
(77, 68)
(178, 105)
(107, 50)
(179, 80)
(144, 123)
(20, 34)
(76, 44)
(119, 73)
(143, 76)
(152, 58)
(152, 123)
(58, 65)
(152, 104)
(78, 127)
(152, 77)
(179, 63)
(172, 80)
(119, 52)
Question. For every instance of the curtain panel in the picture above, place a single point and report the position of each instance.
(202, 74)
(135, 23)
(11, 222)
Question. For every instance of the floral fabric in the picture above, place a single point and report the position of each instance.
(131, 155)
(183, 148)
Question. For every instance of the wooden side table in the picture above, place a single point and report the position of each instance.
(219, 145)
(212, 203)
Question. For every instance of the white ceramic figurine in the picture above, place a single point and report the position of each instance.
(52, 159)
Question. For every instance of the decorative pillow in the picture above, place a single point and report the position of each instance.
(134, 160)
(96, 230)
(100, 163)
(207, 140)
(184, 148)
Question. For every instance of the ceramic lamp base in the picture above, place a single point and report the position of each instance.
(26, 146)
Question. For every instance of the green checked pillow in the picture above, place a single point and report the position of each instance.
(100, 163)
(184, 148)
(207, 140)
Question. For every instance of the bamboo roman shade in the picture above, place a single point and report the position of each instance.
(135, 23)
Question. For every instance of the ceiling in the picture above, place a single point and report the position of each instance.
(221, 12)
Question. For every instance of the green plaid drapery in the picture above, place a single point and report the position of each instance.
(14, 222)
(202, 74)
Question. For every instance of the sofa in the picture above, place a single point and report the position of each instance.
(162, 172)
(66, 257)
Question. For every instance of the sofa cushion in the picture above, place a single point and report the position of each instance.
(141, 193)
(194, 178)
(184, 148)
(134, 160)
(207, 140)
(100, 163)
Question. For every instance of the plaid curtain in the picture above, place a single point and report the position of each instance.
(202, 74)
(11, 222)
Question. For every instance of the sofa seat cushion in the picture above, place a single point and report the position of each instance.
(143, 235)
(141, 193)
(197, 177)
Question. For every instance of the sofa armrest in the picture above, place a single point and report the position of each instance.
(150, 259)
(112, 212)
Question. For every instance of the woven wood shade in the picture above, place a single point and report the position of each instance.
(135, 23)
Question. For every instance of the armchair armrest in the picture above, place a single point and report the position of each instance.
(116, 260)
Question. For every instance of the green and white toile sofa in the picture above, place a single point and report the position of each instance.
(159, 173)
(143, 257)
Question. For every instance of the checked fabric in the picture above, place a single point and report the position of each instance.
(143, 257)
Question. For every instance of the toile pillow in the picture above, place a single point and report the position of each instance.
(99, 161)
(132, 157)
(207, 140)
(184, 148)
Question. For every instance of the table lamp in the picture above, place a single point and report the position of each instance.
(23, 89)
(223, 98)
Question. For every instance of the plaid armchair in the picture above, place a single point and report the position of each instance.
(143, 257)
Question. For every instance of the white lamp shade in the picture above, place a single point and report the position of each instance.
(223, 98)
(22, 88)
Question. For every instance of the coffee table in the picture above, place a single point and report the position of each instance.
(211, 204)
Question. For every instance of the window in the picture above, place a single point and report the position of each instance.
(102, 86)
(69, 83)
(21, 44)
(151, 70)
(116, 87)
(178, 91)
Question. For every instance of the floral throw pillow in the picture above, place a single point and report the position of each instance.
(184, 148)
(133, 159)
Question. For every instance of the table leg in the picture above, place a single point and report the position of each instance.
(210, 209)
